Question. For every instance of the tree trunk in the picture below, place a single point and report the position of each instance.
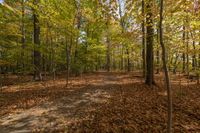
(23, 35)
(78, 24)
(149, 43)
(108, 52)
(143, 41)
(68, 59)
(167, 79)
(157, 55)
(198, 76)
(187, 54)
(67, 63)
(128, 60)
(122, 58)
(194, 60)
(183, 56)
(37, 55)
(175, 64)
(108, 56)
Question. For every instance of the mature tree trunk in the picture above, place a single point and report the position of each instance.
(126, 50)
(143, 41)
(198, 76)
(157, 55)
(187, 52)
(149, 43)
(199, 56)
(78, 24)
(23, 34)
(167, 79)
(108, 52)
(183, 56)
(37, 55)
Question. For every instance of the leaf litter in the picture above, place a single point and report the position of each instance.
(100, 102)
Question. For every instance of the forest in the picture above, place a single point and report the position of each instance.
(99, 66)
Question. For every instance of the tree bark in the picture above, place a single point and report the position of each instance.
(67, 62)
(149, 43)
(175, 64)
(68, 58)
(23, 35)
(37, 54)
(157, 54)
(187, 53)
(183, 56)
(108, 52)
(143, 41)
(194, 60)
(198, 76)
(167, 79)
(128, 60)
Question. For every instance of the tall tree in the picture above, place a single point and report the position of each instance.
(183, 56)
(108, 51)
(149, 44)
(143, 39)
(167, 79)
(37, 54)
(23, 32)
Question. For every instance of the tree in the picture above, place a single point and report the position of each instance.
(23, 33)
(167, 80)
(143, 40)
(37, 54)
(149, 44)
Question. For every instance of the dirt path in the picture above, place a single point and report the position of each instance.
(100, 102)
(78, 100)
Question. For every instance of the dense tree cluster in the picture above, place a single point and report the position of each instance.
(43, 37)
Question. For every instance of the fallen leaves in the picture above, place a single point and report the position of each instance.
(103, 106)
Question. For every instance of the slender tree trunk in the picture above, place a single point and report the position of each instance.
(143, 41)
(67, 64)
(108, 55)
(108, 52)
(198, 76)
(37, 55)
(198, 58)
(122, 58)
(157, 61)
(157, 54)
(196, 8)
(175, 64)
(194, 60)
(23, 35)
(149, 43)
(78, 23)
(183, 56)
(167, 79)
(128, 61)
(45, 57)
(53, 57)
(68, 59)
(122, 26)
(187, 54)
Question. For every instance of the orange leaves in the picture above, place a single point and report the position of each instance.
(101, 102)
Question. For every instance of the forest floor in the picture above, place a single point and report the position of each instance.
(99, 102)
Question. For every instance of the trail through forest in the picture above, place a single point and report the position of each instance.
(100, 102)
